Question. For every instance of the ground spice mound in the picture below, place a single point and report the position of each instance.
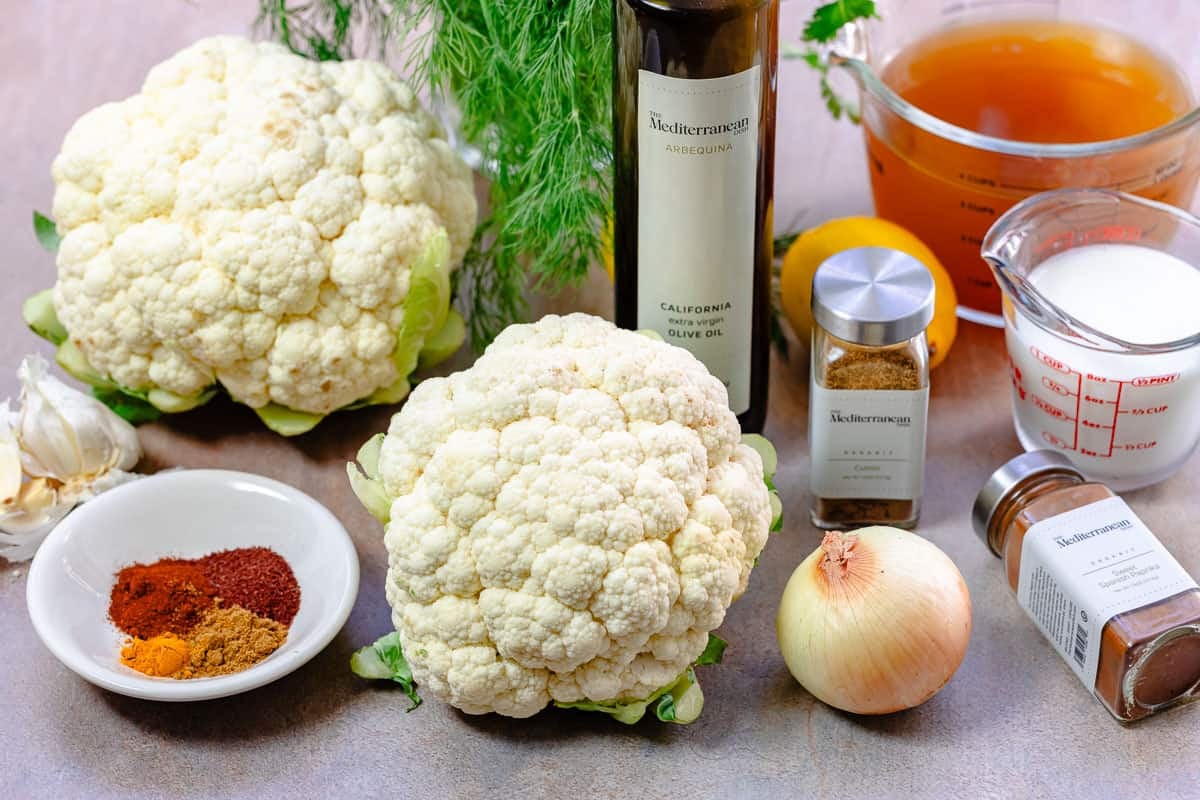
(160, 656)
(875, 369)
(171, 595)
(257, 579)
(229, 640)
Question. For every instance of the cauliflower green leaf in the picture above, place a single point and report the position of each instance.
(680, 701)
(131, 408)
(41, 318)
(445, 343)
(364, 479)
(46, 232)
(770, 460)
(384, 660)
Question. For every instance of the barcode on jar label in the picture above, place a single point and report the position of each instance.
(1081, 640)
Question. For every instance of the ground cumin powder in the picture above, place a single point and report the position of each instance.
(229, 640)
(869, 369)
(873, 369)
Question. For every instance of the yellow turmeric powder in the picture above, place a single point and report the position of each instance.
(158, 656)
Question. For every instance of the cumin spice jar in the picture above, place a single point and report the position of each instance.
(1102, 589)
(869, 388)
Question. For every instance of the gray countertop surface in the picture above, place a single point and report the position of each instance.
(1014, 721)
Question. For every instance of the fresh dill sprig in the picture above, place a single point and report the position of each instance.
(533, 82)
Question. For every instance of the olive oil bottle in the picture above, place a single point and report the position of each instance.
(694, 133)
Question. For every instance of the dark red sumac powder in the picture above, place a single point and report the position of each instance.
(255, 578)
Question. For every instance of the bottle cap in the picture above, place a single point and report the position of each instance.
(997, 488)
(873, 296)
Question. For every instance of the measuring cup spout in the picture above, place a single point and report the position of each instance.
(1052, 222)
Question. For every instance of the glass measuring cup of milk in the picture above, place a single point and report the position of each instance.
(1101, 297)
(948, 183)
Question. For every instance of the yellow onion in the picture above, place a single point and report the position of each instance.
(874, 621)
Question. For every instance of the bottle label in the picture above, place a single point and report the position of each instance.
(697, 181)
(1081, 568)
(867, 443)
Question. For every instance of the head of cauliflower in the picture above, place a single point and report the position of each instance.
(567, 520)
(252, 219)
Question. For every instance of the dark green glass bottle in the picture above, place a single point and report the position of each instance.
(694, 128)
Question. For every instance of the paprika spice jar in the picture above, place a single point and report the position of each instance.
(1122, 613)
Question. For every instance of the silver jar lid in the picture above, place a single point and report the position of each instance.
(872, 296)
(1005, 479)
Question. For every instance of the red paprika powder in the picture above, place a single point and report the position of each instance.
(168, 595)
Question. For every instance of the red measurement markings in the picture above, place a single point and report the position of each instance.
(1100, 401)
(1051, 362)
(1155, 380)
(1054, 364)
(1051, 439)
(1103, 233)
(1051, 409)
(1112, 437)
(1055, 386)
(1144, 412)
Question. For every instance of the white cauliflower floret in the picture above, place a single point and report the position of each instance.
(253, 218)
(567, 519)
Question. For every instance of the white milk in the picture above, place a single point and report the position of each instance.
(1126, 419)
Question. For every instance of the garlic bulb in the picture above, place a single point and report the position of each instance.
(874, 621)
(67, 435)
(10, 456)
(61, 449)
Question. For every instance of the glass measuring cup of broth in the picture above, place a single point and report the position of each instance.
(969, 107)
(1101, 300)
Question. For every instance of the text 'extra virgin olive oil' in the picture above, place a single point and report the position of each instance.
(694, 130)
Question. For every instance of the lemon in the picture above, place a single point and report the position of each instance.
(606, 248)
(817, 244)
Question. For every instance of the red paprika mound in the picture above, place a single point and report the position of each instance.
(168, 595)
(256, 578)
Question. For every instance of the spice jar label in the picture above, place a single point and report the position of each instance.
(867, 443)
(1081, 568)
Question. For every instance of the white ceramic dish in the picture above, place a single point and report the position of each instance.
(188, 514)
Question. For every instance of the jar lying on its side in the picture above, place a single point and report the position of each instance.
(1122, 612)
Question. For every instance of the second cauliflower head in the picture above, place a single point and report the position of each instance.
(568, 519)
(253, 219)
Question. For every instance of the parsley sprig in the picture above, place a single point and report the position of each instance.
(821, 29)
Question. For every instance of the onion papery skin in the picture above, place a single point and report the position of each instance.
(884, 633)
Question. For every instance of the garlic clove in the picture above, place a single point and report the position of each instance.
(79, 490)
(27, 518)
(65, 434)
(10, 457)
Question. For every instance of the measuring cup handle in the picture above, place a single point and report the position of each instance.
(848, 49)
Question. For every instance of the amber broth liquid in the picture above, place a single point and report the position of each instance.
(1041, 81)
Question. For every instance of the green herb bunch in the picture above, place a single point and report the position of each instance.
(532, 80)
(822, 28)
